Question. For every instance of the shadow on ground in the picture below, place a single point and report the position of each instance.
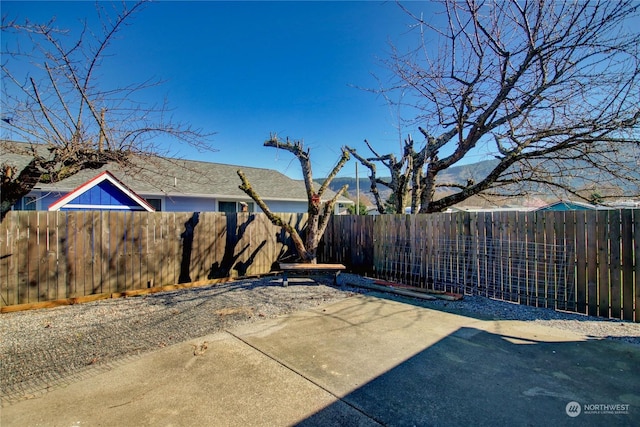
(474, 377)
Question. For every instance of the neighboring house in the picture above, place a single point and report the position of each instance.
(560, 205)
(566, 205)
(179, 186)
(493, 209)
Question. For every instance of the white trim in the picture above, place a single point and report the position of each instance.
(104, 207)
(104, 176)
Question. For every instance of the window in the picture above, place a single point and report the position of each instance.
(27, 203)
(227, 207)
(156, 203)
(232, 207)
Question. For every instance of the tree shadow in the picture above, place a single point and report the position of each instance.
(288, 252)
(187, 247)
(231, 255)
(243, 266)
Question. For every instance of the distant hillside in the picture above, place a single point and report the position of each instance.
(478, 171)
(456, 174)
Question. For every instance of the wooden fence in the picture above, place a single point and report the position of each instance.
(46, 256)
(580, 261)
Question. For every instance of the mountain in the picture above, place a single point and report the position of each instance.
(578, 174)
(456, 174)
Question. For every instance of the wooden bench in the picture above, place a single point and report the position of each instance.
(303, 268)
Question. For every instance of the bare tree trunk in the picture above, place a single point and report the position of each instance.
(275, 219)
(319, 213)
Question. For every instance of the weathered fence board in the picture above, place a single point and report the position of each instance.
(581, 261)
(20, 261)
(602, 225)
(592, 264)
(636, 251)
(614, 264)
(627, 264)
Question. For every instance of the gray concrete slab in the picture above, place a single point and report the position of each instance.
(361, 361)
(229, 383)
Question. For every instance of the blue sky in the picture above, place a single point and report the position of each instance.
(246, 69)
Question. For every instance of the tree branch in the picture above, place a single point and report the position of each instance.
(275, 219)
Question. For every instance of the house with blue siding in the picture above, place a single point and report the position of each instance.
(166, 184)
(103, 192)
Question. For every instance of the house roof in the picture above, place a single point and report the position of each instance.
(161, 176)
(130, 200)
(567, 205)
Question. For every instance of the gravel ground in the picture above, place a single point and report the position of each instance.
(44, 349)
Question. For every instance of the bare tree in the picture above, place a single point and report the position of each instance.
(53, 99)
(319, 212)
(401, 172)
(550, 89)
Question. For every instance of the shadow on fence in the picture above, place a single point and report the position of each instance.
(233, 258)
(46, 256)
(187, 247)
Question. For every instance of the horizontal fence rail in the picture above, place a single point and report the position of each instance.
(580, 261)
(46, 256)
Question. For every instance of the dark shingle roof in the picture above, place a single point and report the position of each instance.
(175, 177)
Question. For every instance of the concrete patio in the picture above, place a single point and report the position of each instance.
(366, 360)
